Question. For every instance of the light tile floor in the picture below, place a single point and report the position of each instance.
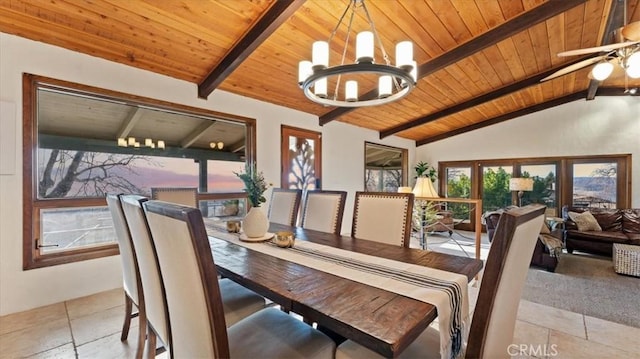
(89, 327)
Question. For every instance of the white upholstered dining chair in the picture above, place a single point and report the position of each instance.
(323, 211)
(494, 317)
(186, 196)
(194, 301)
(130, 273)
(238, 302)
(383, 217)
(284, 206)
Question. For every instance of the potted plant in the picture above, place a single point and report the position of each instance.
(423, 169)
(255, 223)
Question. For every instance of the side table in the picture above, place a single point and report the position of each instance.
(626, 259)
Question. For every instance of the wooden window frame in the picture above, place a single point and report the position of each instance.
(405, 162)
(32, 206)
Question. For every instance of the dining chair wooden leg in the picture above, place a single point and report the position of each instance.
(128, 309)
(142, 333)
(151, 342)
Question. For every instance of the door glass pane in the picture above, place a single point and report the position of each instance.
(495, 187)
(594, 184)
(302, 164)
(544, 185)
(459, 186)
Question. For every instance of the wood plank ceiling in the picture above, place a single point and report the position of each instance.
(480, 61)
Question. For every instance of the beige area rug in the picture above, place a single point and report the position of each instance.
(588, 285)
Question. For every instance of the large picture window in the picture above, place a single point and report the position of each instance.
(588, 181)
(82, 143)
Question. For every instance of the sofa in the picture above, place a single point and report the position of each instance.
(615, 226)
(548, 246)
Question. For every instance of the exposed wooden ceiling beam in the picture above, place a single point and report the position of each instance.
(615, 20)
(129, 122)
(489, 38)
(605, 91)
(277, 14)
(505, 90)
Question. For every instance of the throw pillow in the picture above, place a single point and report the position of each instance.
(585, 221)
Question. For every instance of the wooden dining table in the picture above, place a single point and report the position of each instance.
(383, 321)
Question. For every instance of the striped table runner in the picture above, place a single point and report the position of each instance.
(445, 290)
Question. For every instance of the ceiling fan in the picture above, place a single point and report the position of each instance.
(623, 56)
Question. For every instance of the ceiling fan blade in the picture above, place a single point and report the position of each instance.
(589, 50)
(575, 67)
(632, 31)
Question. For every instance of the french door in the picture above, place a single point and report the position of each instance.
(301, 152)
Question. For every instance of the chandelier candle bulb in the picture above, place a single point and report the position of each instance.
(304, 70)
(602, 71)
(161, 144)
(320, 55)
(320, 88)
(364, 47)
(404, 55)
(384, 86)
(351, 90)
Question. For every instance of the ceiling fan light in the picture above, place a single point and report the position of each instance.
(602, 71)
(633, 65)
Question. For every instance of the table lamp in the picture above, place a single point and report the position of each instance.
(424, 188)
(521, 185)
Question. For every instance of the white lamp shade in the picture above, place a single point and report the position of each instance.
(521, 184)
(633, 65)
(424, 188)
(320, 55)
(320, 88)
(131, 141)
(384, 86)
(404, 189)
(161, 144)
(351, 91)
(602, 71)
(404, 55)
(304, 70)
(220, 145)
(148, 142)
(364, 47)
(122, 142)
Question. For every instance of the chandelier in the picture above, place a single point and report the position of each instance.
(394, 82)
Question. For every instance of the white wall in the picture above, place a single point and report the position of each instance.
(606, 125)
(343, 153)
